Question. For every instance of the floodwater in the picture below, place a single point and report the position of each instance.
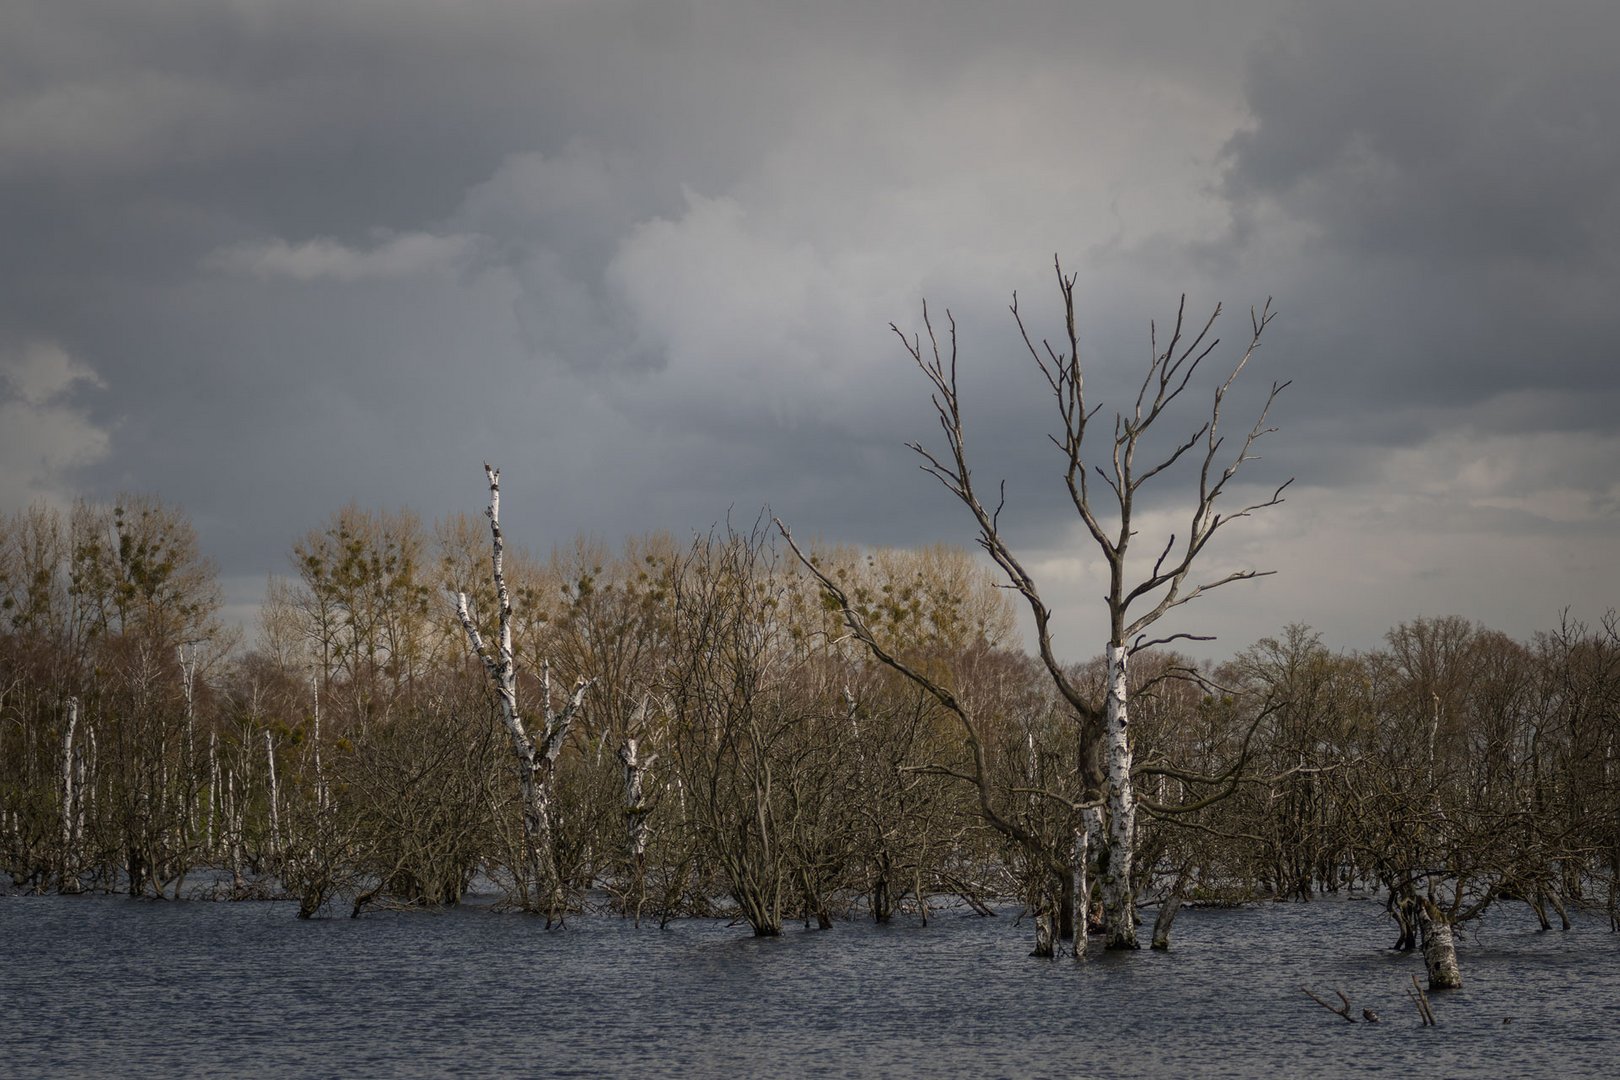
(98, 985)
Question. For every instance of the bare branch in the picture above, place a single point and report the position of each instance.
(1342, 1010)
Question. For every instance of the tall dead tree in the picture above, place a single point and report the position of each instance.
(1136, 600)
(540, 887)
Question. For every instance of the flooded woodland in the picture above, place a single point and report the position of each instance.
(745, 803)
(724, 763)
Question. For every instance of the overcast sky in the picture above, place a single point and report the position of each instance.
(262, 258)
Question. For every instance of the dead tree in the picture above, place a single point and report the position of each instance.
(1136, 601)
(534, 755)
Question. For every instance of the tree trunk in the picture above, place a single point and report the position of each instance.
(1045, 944)
(1088, 835)
(540, 888)
(636, 812)
(1439, 948)
(1167, 916)
(211, 833)
(536, 759)
(1168, 908)
(275, 794)
(67, 880)
(1119, 904)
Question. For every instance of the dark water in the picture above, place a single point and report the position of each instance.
(98, 985)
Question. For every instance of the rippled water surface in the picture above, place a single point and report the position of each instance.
(98, 985)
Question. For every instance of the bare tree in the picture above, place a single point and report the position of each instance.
(1135, 600)
(535, 755)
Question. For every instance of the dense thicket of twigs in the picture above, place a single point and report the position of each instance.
(352, 752)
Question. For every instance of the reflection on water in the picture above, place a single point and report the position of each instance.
(94, 985)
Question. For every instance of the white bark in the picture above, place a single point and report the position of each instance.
(1089, 835)
(1119, 905)
(66, 882)
(214, 793)
(1439, 948)
(535, 761)
(275, 795)
(636, 808)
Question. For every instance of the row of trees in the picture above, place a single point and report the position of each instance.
(709, 743)
(716, 740)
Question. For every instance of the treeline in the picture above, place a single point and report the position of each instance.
(733, 750)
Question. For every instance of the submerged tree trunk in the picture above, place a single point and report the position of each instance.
(1167, 917)
(1168, 908)
(1045, 936)
(1119, 903)
(1439, 947)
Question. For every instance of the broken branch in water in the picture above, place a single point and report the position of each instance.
(1340, 1010)
(1421, 999)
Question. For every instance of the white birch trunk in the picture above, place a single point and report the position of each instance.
(233, 824)
(212, 836)
(275, 795)
(66, 881)
(538, 887)
(636, 808)
(1088, 835)
(1119, 905)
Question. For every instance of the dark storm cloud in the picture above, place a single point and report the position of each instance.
(1453, 168)
(1442, 132)
(264, 258)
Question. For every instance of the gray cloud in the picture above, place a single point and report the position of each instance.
(645, 256)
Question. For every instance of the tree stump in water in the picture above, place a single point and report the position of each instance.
(1439, 948)
(1045, 945)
